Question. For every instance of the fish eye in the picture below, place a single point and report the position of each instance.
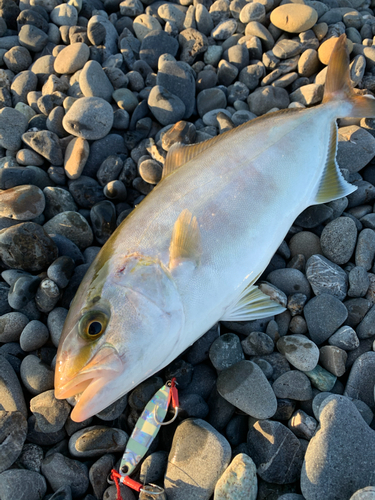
(92, 325)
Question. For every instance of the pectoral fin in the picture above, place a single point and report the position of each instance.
(333, 185)
(252, 304)
(186, 240)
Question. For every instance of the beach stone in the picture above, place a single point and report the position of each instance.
(72, 225)
(365, 250)
(245, 386)
(178, 80)
(13, 430)
(131, 8)
(238, 481)
(357, 309)
(76, 155)
(313, 216)
(144, 24)
(321, 379)
(256, 29)
(367, 493)
(57, 200)
(98, 474)
(32, 38)
(324, 314)
(326, 48)
(333, 359)
(125, 99)
(210, 99)
(50, 413)
(103, 219)
(36, 376)
(29, 157)
(11, 326)
(326, 277)
(165, 106)
(356, 147)
(289, 281)
(94, 82)
(11, 395)
(31, 457)
(17, 59)
(24, 83)
(278, 458)
(358, 281)
(22, 291)
(26, 246)
(33, 336)
(71, 473)
(338, 458)
(55, 322)
(198, 457)
(293, 385)
(224, 29)
(96, 440)
(64, 15)
(302, 425)
(72, 58)
(226, 351)
(47, 295)
(308, 94)
(153, 467)
(12, 125)
(150, 171)
(366, 327)
(34, 486)
(266, 98)
(61, 270)
(294, 18)
(89, 117)
(308, 63)
(22, 202)
(285, 49)
(86, 191)
(344, 338)
(156, 43)
(45, 143)
(361, 380)
(338, 240)
(257, 343)
(192, 43)
(300, 351)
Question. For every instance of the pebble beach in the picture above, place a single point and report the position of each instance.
(93, 94)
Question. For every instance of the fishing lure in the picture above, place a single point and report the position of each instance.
(145, 431)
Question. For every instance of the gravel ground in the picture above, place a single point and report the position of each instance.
(92, 96)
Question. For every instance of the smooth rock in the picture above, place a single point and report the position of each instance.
(50, 413)
(300, 351)
(325, 277)
(71, 225)
(294, 18)
(96, 440)
(46, 143)
(70, 473)
(22, 202)
(12, 125)
(361, 380)
(33, 336)
(72, 58)
(324, 314)
(36, 376)
(13, 430)
(34, 486)
(89, 117)
(293, 385)
(94, 82)
(238, 481)
(11, 395)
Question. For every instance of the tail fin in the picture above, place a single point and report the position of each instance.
(338, 86)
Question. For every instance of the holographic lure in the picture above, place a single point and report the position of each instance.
(144, 433)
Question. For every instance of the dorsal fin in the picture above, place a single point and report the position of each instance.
(186, 240)
(333, 185)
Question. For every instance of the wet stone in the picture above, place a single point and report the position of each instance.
(344, 338)
(33, 336)
(325, 277)
(199, 455)
(71, 225)
(13, 429)
(86, 192)
(34, 485)
(300, 351)
(50, 413)
(278, 459)
(26, 246)
(71, 473)
(36, 376)
(61, 270)
(245, 386)
(96, 440)
(293, 385)
(257, 343)
(103, 219)
(324, 314)
(150, 171)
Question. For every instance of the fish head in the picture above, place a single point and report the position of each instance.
(123, 325)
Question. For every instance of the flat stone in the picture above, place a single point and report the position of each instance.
(97, 440)
(344, 338)
(12, 125)
(245, 386)
(34, 486)
(293, 385)
(339, 459)
(290, 281)
(361, 379)
(238, 481)
(324, 314)
(338, 240)
(365, 250)
(300, 351)
(294, 18)
(45, 143)
(13, 430)
(89, 117)
(22, 202)
(326, 277)
(198, 457)
(333, 359)
(72, 58)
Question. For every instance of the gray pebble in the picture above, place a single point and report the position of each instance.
(33, 336)
(326, 277)
(71, 225)
(290, 281)
(13, 429)
(98, 474)
(266, 98)
(153, 467)
(70, 473)
(45, 143)
(36, 376)
(358, 282)
(314, 216)
(61, 270)
(220, 410)
(302, 425)
(86, 191)
(22, 84)
(57, 200)
(178, 79)
(155, 44)
(165, 106)
(150, 171)
(245, 386)
(89, 117)
(114, 410)
(366, 327)
(11, 326)
(333, 359)
(324, 314)
(103, 219)
(293, 385)
(110, 169)
(210, 99)
(45, 439)
(365, 250)
(367, 493)
(345, 338)
(17, 59)
(11, 395)
(50, 413)
(300, 351)
(338, 240)
(357, 309)
(34, 486)
(31, 457)
(13, 124)
(226, 351)
(257, 343)
(192, 43)
(94, 82)
(321, 379)
(96, 440)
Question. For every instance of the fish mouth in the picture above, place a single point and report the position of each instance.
(89, 382)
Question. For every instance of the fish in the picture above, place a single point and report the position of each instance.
(189, 255)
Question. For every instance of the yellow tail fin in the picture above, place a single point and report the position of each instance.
(338, 86)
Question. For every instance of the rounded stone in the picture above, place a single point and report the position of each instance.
(226, 351)
(76, 155)
(165, 106)
(294, 18)
(22, 202)
(103, 219)
(13, 430)
(72, 58)
(57, 200)
(238, 481)
(72, 225)
(89, 117)
(324, 314)
(338, 240)
(265, 98)
(11, 395)
(11, 326)
(33, 336)
(36, 376)
(293, 385)
(305, 243)
(50, 413)
(13, 124)
(34, 486)
(64, 15)
(326, 48)
(300, 351)
(150, 171)
(70, 472)
(97, 440)
(94, 82)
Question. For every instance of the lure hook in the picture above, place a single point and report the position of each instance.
(169, 421)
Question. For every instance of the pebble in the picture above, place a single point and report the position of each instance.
(110, 169)
(278, 459)
(302, 425)
(22, 202)
(324, 314)
(70, 473)
(325, 277)
(13, 429)
(245, 386)
(321, 378)
(34, 486)
(165, 106)
(11, 395)
(50, 413)
(338, 240)
(31, 457)
(36, 376)
(361, 379)
(150, 171)
(226, 351)
(33, 336)
(153, 467)
(94, 82)
(257, 343)
(45, 143)
(365, 250)
(98, 474)
(86, 191)
(96, 440)
(290, 281)
(333, 359)
(26, 246)
(300, 351)
(294, 18)
(192, 44)
(347, 444)
(71, 225)
(89, 117)
(367, 493)
(155, 44)
(239, 480)
(293, 385)
(178, 79)
(75, 158)
(13, 125)
(344, 338)
(357, 157)
(11, 326)
(103, 219)
(199, 456)
(305, 243)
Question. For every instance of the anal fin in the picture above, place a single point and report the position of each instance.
(252, 304)
(186, 240)
(333, 185)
